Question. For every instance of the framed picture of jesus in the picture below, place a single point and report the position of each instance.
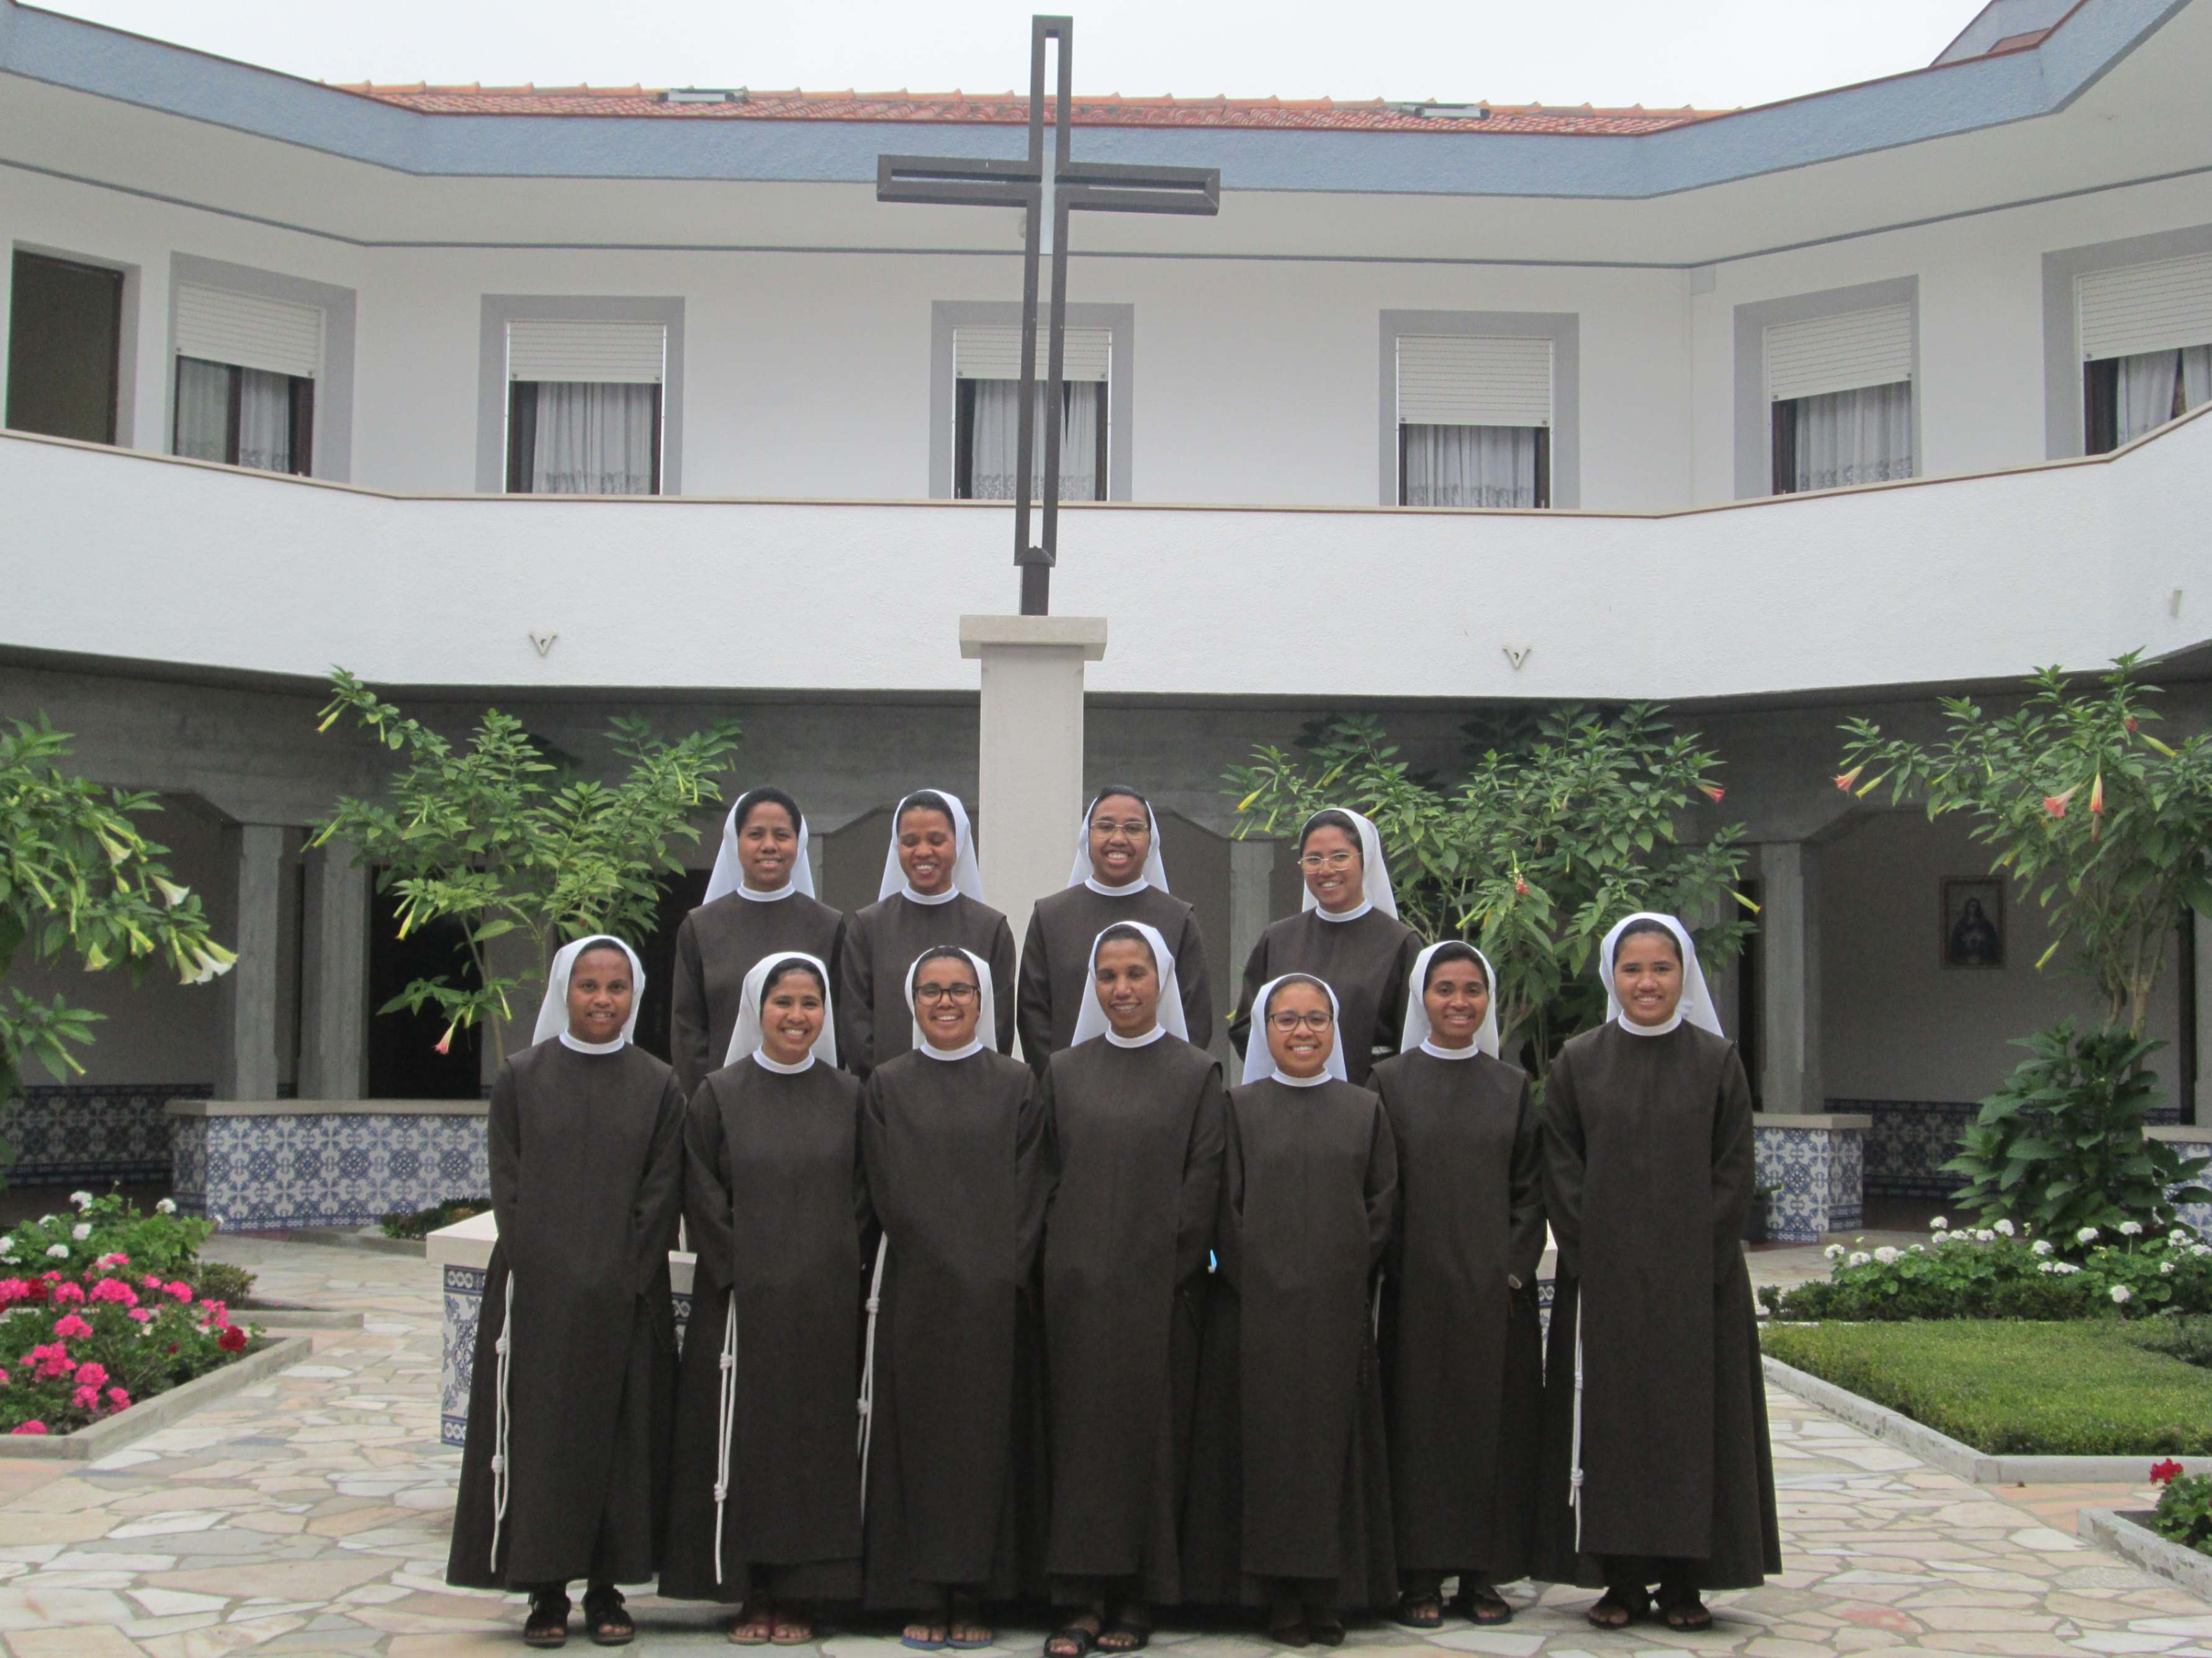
(1973, 923)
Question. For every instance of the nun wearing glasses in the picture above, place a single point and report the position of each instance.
(1120, 875)
(570, 1402)
(765, 1508)
(760, 901)
(1289, 1501)
(1462, 1362)
(1347, 935)
(1656, 1463)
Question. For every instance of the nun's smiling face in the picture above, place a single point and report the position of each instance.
(928, 849)
(1127, 986)
(791, 1016)
(600, 994)
(948, 1002)
(768, 846)
(1647, 978)
(1456, 1001)
(1121, 840)
(1301, 1030)
(1334, 874)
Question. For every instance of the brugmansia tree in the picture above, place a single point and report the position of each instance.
(79, 881)
(494, 836)
(1560, 826)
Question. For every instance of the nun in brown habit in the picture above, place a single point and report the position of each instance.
(760, 901)
(1462, 1358)
(765, 1505)
(932, 894)
(1656, 1467)
(949, 1133)
(1120, 875)
(1347, 935)
(570, 1403)
(1132, 1146)
(1290, 1489)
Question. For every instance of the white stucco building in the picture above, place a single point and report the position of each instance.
(1779, 415)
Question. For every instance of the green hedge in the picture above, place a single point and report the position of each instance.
(2074, 1389)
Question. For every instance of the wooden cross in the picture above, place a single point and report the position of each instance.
(1047, 192)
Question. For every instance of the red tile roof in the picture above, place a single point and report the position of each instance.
(1009, 109)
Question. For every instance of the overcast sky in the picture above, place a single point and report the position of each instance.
(1661, 53)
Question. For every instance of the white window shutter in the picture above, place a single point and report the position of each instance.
(995, 353)
(1840, 354)
(1469, 380)
(2160, 306)
(247, 332)
(620, 353)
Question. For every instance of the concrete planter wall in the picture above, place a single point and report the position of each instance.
(1815, 1165)
(282, 1165)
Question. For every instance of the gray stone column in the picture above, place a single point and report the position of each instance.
(1790, 993)
(245, 1046)
(334, 977)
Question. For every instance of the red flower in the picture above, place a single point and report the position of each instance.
(231, 1340)
(1845, 780)
(119, 1398)
(29, 1428)
(2056, 803)
(69, 1295)
(1712, 792)
(92, 1375)
(1520, 887)
(70, 1327)
(2131, 723)
(2161, 1472)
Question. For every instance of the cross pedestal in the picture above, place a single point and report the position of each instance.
(1030, 760)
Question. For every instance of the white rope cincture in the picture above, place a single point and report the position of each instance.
(727, 1424)
(1375, 1310)
(868, 1371)
(499, 1480)
(1575, 1442)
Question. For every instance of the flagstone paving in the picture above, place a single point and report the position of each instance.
(310, 1515)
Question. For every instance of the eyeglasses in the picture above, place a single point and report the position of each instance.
(1132, 827)
(1338, 859)
(1286, 1023)
(958, 995)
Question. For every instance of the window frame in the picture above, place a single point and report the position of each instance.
(494, 406)
(300, 389)
(124, 380)
(1116, 431)
(329, 442)
(1755, 444)
(2065, 380)
(1559, 474)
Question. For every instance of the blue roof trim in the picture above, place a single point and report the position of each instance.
(1827, 126)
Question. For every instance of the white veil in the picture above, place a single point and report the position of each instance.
(1696, 1007)
(986, 1020)
(745, 1037)
(553, 1011)
(1417, 1012)
(1091, 1019)
(1259, 1063)
(1374, 870)
(1155, 872)
(967, 874)
(729, 874)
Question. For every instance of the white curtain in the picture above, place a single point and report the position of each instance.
(2196, 377)
(994, 448)
(594, 439)
(265, 420)
(1862, 437)
(1470, 465)
(203, 409)
(2154, 386)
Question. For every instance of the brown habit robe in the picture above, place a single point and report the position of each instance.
(951, 1151)
(1056, 975)
(777, 1211)
(1367, 962)
(1647, 1177)
(716, 946)
(1290, 1477)
(1132, 1147)
(587, 1181)
(881, 943)
(1462, 1364)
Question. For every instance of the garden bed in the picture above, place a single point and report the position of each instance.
(2127, 1532)
(111, 1434)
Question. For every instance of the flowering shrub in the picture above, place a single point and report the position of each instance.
(2184, 1514)
(2006, 1272)
(77, 1350)
(164, 1242)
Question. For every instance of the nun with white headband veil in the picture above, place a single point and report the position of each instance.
(950, 1131)
(765, 1500)
(1462, 1361)
(932, 894)
(1656, 1466)
(1120, 875)
(1133, 1127)
(1290, 1497)
(760, 901)
(1347, 935)
(565, 1469)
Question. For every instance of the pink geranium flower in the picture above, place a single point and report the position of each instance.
(117, 1399)
(143, 1314)
(69, 1328)
(30, 1428)
(92, 1375)
(69, 1295)
(114, 1289)
(86, 1399)
(116, 1260)
(13, 1289)
(181, 1291)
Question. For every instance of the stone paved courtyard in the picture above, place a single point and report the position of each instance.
(310, 1514)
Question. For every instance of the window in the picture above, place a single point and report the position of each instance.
(986, 369)
(584, 407)
(2145, 334)
(245, 379)
(64, 348)
(1841, 391)
(1474, 420)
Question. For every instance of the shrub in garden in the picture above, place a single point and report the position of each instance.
(77, 1348)
(2188, 1339)
(163, 1242)
(2184, 1514)
(423, 1222)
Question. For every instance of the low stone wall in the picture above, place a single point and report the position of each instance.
(271, 1166)
(2191, 1142)
(1911, 1140)
(1815, 1166)
(91, 1134)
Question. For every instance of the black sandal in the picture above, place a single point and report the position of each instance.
(1481, 1603)
(1083, 1637)
(1291, 1629)
(1327, 1628)
(1684, 1611)
(1619, 1608)
(605, 1616)
(1422, 1610)
(547, 1623)
(1125, 1636)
